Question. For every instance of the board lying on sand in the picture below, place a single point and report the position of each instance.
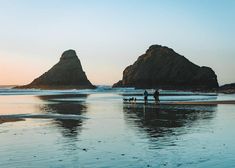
(185, 102)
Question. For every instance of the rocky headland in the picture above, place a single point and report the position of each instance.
(161, 67)
(228, 88)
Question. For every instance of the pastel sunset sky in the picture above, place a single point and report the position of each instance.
(109, 35)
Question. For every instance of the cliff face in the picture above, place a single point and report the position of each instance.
(228, 88)
(66, 74)
(162, 67)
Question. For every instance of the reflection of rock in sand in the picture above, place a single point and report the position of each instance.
(58, 104)
(160, 121)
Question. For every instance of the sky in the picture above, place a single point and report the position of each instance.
(109, 35)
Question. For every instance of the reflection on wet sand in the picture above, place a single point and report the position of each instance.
(159, 121)
(66, 105)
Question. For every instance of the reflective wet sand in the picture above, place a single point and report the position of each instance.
(111, 133)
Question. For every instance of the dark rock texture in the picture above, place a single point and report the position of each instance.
(228, 88)
(66, 74)
(162, 67)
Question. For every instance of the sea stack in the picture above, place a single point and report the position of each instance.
(66, 74)
(161, 67)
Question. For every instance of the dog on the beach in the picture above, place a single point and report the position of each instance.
(131, 100)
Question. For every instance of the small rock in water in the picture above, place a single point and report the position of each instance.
(179, 164)
(164, 164)
(84, 149)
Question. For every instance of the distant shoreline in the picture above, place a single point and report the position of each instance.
(4, 120)
(232, 102)
(2, 86)
(203, 102)
(219, 90)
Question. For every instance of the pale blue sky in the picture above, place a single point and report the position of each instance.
(110, 35)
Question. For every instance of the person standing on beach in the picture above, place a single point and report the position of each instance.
(145, 96)
(156, 96)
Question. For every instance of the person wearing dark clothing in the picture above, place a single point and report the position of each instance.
(145, 96)
(156, 96)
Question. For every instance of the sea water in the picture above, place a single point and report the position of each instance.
(95, 128)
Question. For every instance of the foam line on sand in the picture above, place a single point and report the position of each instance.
(40, 116)
(203, 102)
(188, 102)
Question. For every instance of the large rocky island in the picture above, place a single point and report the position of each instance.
(162, 67)
(66, 74)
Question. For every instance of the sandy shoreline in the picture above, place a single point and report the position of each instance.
(203, 102)
(189, 102)
(4, 120)
(22, 118)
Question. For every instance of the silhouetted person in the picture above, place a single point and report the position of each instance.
(145, 96)
(156, 96)
(135, 99)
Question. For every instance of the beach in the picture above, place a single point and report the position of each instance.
(95, 128)
(3, 120)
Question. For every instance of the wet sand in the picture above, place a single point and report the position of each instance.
(187, 102)
(4, 120)
(99, 130)
(202, 102)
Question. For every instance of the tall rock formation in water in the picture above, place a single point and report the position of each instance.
(66, 74)
(162, 67)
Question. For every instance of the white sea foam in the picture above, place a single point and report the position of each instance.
(165, 95)
(44, 116)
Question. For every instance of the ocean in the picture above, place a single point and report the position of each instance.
(96, 128)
